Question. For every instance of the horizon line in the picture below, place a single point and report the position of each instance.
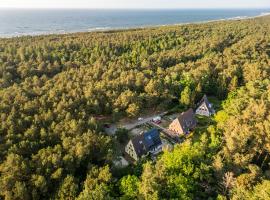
(127, 8)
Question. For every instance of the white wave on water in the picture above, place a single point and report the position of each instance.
(231, 18)
(238, 18)
(99, 28)
(264, 14)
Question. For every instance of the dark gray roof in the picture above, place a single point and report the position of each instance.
(187, 120)
(139, 145)
(145, 142)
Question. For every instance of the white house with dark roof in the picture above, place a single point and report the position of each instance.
(204, 107)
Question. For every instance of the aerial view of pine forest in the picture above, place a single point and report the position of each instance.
(60, 94)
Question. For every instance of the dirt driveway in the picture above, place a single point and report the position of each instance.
(131, 125)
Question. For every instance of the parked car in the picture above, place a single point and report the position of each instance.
(157, 120)
(140, 119)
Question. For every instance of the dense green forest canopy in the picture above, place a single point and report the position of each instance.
(53, 87)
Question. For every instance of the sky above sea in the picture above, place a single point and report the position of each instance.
(143, 4)
(18, 22)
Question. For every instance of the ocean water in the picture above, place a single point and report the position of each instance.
(18, 22)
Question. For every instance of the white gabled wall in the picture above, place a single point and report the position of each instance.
(203, 110)
(131, 151)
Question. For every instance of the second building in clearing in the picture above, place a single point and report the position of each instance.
(184, 123)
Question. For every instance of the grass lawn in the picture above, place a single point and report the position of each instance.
(203, 121)
(165, 123)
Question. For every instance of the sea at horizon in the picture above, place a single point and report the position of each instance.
(20, 22)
